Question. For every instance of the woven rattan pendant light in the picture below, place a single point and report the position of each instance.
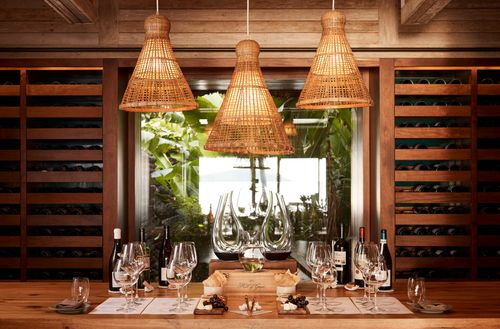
(248, 122)
(157, 83)
(334, 80)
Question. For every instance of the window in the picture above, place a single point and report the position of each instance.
(179, 181)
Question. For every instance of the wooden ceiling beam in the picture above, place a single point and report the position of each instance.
(418, 12)
(74, 11)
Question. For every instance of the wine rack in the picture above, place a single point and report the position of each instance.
(442, 168)
(51, 173)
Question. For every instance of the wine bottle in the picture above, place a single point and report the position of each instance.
(358, 277)
(341, 257)
(114, 287)
(146, 274)
(165, 253)
(384, 251)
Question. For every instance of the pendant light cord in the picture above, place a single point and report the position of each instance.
(248, 18)
(157, 7)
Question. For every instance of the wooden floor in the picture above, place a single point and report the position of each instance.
(25, 305)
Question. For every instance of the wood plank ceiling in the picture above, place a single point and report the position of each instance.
(290, 24)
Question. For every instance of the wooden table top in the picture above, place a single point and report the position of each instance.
(25, 305)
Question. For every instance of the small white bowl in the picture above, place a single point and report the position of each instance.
(208, 291)
(285, 291)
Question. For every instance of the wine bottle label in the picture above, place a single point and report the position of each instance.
(358, 275)
(147, 262)
(387, 283)
(339, 258)
(163, 276)
(114, 283)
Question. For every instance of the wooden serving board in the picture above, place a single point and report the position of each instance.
(298, 311)
(213, 311)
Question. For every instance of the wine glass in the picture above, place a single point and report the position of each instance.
(416, 290)
(323, 271)
(190, 250)
(178, 272)
(137, 257)
(80, 289)
(361, 264)
(311, 246)
(377, 273)
(126, 279)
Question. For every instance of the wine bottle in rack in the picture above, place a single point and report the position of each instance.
(146, 274)
(114, 287)
(341, 258)
(165, 253)
(384, 251)
(358, 277)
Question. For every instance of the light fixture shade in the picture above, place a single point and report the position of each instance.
(290, 128)
(157, 83)
(248, 121)
(334, 80)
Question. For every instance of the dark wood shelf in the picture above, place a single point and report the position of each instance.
(64, 155)
(10, 90)
(488, 176)
(9, 176)
(405, 263)
(10, 262)
(64, 133)
(432, 154)
(432, 197)
(489, 241)
(10, 155)
(488, 154)
(488, 111)
(430, 176)
(9, 198)
(10, 241)
(64, 241)
(9, 112)
(64, 176)
(419, 133)
(432, 89)
(493, 89)
(432, 240)
(64, 220)
(488, 262)
(64, 112)
(63, 90)
(488, 197)
(9, 133)
(66, 262)
(432, 111)
(10, 220)
(63, 198)
(488, 219)
(432, 219)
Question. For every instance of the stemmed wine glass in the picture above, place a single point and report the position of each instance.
(377, 273)
(137, 256)
(311, 246)
(361, 263)
(323, 271)
(179, 271)
(126, 277)
(190, 250)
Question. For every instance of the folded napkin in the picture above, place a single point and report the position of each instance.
(69, 303)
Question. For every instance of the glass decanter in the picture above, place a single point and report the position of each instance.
(277, 230)
(227, 232)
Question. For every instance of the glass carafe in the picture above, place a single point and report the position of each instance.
(227, 232)
(277, 230)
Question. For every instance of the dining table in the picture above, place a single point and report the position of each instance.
(474, 305)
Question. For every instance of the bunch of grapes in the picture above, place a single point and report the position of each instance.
(300, 301)
(216, 302)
